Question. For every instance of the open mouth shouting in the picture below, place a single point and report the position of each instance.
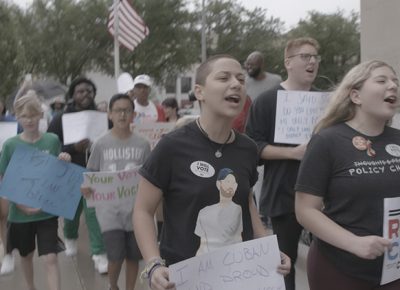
(233, 99)
(390, 99)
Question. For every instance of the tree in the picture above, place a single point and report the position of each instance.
(9, 47)
(339, 38)
(233, 29)
(69, 37)
(173, 44)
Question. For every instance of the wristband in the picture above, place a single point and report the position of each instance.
(150, 267)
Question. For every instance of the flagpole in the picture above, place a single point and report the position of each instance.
(116, 43)
(203, 32)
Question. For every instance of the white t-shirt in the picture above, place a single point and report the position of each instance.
(147, 113)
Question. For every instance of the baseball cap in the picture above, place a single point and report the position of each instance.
(142, 79)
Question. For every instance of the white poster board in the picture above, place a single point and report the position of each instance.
(391, 230)
(396, 121)
(85, 124)
(7, 130)
(153, 131)
(297, 112)
(113, 188)
(249, 265)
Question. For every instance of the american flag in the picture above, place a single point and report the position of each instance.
(131, 27)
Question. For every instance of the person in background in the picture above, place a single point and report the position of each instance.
(81, 93)
(337, 198)
(29, 226)
(281, 161)
(171, 174)
(145, 109)
(257, 79)
(170, 107)
(116, 222)
(102, 106)
(57, 105)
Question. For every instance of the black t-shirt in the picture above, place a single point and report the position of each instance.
(277, 194)
(353, 178)
(184, 167)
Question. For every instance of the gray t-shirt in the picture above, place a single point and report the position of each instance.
(110, 153)
(254, 87)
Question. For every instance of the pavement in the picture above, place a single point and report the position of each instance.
(78, 273)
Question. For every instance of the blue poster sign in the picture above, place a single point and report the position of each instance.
(39, 180)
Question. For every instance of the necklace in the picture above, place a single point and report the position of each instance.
(218, 153)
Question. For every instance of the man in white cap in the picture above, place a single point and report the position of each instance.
(146, 110)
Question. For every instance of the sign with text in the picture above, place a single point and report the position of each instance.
(117, 188)
(297, 112)
(7, 130)
(249, 265)
(39, 180)
(391, 230)
(154, 131)
(396, 121)
(85, 124)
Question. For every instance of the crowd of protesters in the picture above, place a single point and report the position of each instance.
(300, 187)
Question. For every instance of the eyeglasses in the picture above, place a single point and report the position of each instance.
(124, 111)
(306, 57)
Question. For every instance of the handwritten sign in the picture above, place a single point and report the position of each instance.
(117, 188)
(7, 130)
(82, 125)
(248, 265)
(153, 131)
(391, 230)
(37, 179)
(297, 112)
(396, 121)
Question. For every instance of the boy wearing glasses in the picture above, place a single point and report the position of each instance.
(281, 161)
(119, 149)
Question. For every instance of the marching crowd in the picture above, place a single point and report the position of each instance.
(204, 174)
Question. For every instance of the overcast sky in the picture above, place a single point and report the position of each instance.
(289, 11)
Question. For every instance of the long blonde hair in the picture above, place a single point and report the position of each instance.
(341, 108)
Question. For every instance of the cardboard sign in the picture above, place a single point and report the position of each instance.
(247, 265)
(117, 188)
(37, 179)
(153, 131)
(7, 130)
(82, 125)
(297, 112)
(391, 230)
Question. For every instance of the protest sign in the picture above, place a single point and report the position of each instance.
(7, 130)
(396, 121)
(391, 230)
(249, 265)
(85, 124)
(297, 112)
(153, 131)
(117, 188)
(37, 179)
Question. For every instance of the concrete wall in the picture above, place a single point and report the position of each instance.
(380, 31)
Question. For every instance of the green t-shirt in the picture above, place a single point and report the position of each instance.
(48, 143)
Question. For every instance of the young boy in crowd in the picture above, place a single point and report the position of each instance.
(29, 224)
(116, 224)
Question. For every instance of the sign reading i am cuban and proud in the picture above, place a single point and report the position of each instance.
(391, 230)
(85, 124)
(297, 112)
(117, 188)
(39, 180)
(249, 265)
(153, 131)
